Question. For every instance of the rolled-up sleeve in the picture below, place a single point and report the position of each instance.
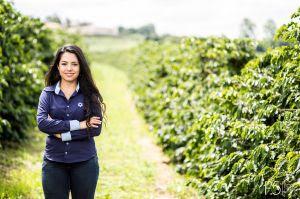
(46, 124)
(84, 134)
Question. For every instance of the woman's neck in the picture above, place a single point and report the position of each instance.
(65, 85)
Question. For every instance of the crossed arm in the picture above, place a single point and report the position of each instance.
(81, 133)
(65, 129)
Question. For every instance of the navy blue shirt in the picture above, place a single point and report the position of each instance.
(57, 114)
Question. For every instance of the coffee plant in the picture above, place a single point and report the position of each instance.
(26, 49)
(226, 116)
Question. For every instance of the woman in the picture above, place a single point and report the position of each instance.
(70, 111)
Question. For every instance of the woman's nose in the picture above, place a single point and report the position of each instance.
(69, 67)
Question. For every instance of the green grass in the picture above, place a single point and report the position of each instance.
(124, 172)
(21, 169)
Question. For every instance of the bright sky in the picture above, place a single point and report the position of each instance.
(179, 17)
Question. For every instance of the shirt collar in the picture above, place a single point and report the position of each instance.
(57, 87)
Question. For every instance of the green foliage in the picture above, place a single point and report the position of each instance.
(24, 45)
(290, 32)
(227, 117)
(27, 49)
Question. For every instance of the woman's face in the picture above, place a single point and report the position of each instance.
(68, 67)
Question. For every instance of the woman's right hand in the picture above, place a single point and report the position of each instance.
(94, 121)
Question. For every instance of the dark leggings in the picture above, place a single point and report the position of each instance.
(80, 178)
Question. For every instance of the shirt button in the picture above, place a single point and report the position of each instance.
(67, 114)
(68, 106)
(66, 153)
(67, 143)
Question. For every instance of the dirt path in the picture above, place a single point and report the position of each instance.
(165, 173)
(166, 176)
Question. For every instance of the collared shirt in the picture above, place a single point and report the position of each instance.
(57, 114)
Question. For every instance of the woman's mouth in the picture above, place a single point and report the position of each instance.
(69, 74)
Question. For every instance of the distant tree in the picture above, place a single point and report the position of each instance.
(270, 29)
(247, 28)
(54, 18)
(84, 23)
(132, 31)
(148, 31)
(68, 22)
(121, 30)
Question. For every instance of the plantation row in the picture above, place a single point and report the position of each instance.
(26, 50)
(226, 116)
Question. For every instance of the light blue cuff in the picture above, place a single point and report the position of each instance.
(66, 136)
(74, 125)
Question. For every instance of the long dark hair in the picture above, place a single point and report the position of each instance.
(93, 101)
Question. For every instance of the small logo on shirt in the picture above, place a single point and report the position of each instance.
(80, 104)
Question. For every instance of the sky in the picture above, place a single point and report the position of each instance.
(177, 17)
